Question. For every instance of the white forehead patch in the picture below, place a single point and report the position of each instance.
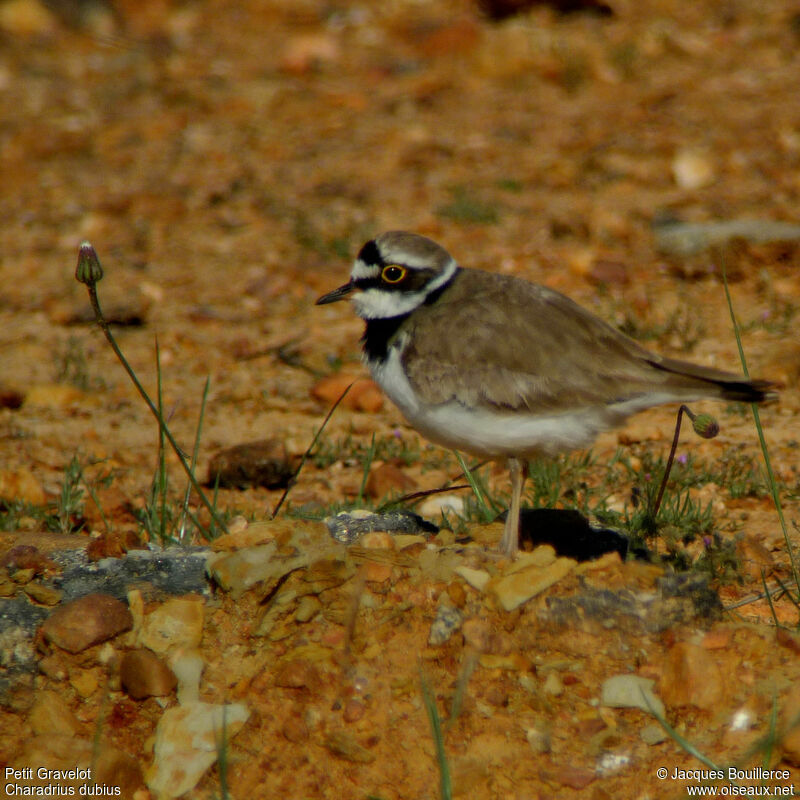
(363, 270)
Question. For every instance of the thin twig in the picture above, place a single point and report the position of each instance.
(308, 451)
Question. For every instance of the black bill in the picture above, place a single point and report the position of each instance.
(336, 294)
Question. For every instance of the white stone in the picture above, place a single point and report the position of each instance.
(188, 740)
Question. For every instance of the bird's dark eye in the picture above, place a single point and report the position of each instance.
(393, 273)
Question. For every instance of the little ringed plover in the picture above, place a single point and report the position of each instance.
(503, 368)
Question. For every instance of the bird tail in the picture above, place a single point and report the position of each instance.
(717, 383)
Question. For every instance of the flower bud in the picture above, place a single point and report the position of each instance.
(88, 270)
(705, 425)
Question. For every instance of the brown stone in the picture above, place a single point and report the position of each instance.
(353, 710)
(25, 556)
(482, 636)
(144, 674)
(364, 394)
(86, 621)
(51, 715)
(46, 595)
(386, 479)
(787, 639)
(261, 463)
(691, 677)
(604, 272)
(297, 674)
(113, 544)
(575, 777)
(295, 729)
(343, 745)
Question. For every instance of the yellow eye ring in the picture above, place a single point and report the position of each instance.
(393, 273)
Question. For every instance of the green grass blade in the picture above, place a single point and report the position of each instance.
(446, 788)
(486, 512)
(773, 485)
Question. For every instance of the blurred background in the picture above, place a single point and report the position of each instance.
(227, 160)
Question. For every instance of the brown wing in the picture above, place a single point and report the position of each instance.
(513, 344)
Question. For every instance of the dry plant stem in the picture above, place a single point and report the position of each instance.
(671, 458)
(91, 284)
(308, 451)
(704, 425)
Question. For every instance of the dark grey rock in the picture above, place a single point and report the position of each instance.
(347, 526)
(174, 571)
(679, 598)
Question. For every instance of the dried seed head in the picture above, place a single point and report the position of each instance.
(88, 270)
(705, 425)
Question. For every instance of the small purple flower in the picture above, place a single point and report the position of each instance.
(682, 458)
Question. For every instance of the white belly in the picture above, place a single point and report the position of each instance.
(485, 431)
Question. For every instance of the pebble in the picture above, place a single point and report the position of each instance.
(297, 674)
(187, 666)
(85, 682)
(539, 739)
(653, 734)
(143, 674)
(630, 691)
(187, 742)
(343, 744)
(476, 578)
(23, 576)
(295, 729)
(365, 395)
(353, 710)
(347, 526)
(46, 595)
(437, 505)
(787, 639)
(309, 51)
(51, 715)
(377, 540)
(481, 635)
(448, 620)
(386, 479)
(176, 623)
(553, 684)
(25, 556)
(261, 463)
(308, 607)
(605, 272)
(691, 677)
(575, 777)
(692, 169)
(512, 590)
(113, 544)
(86, 621)
(54, 667)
